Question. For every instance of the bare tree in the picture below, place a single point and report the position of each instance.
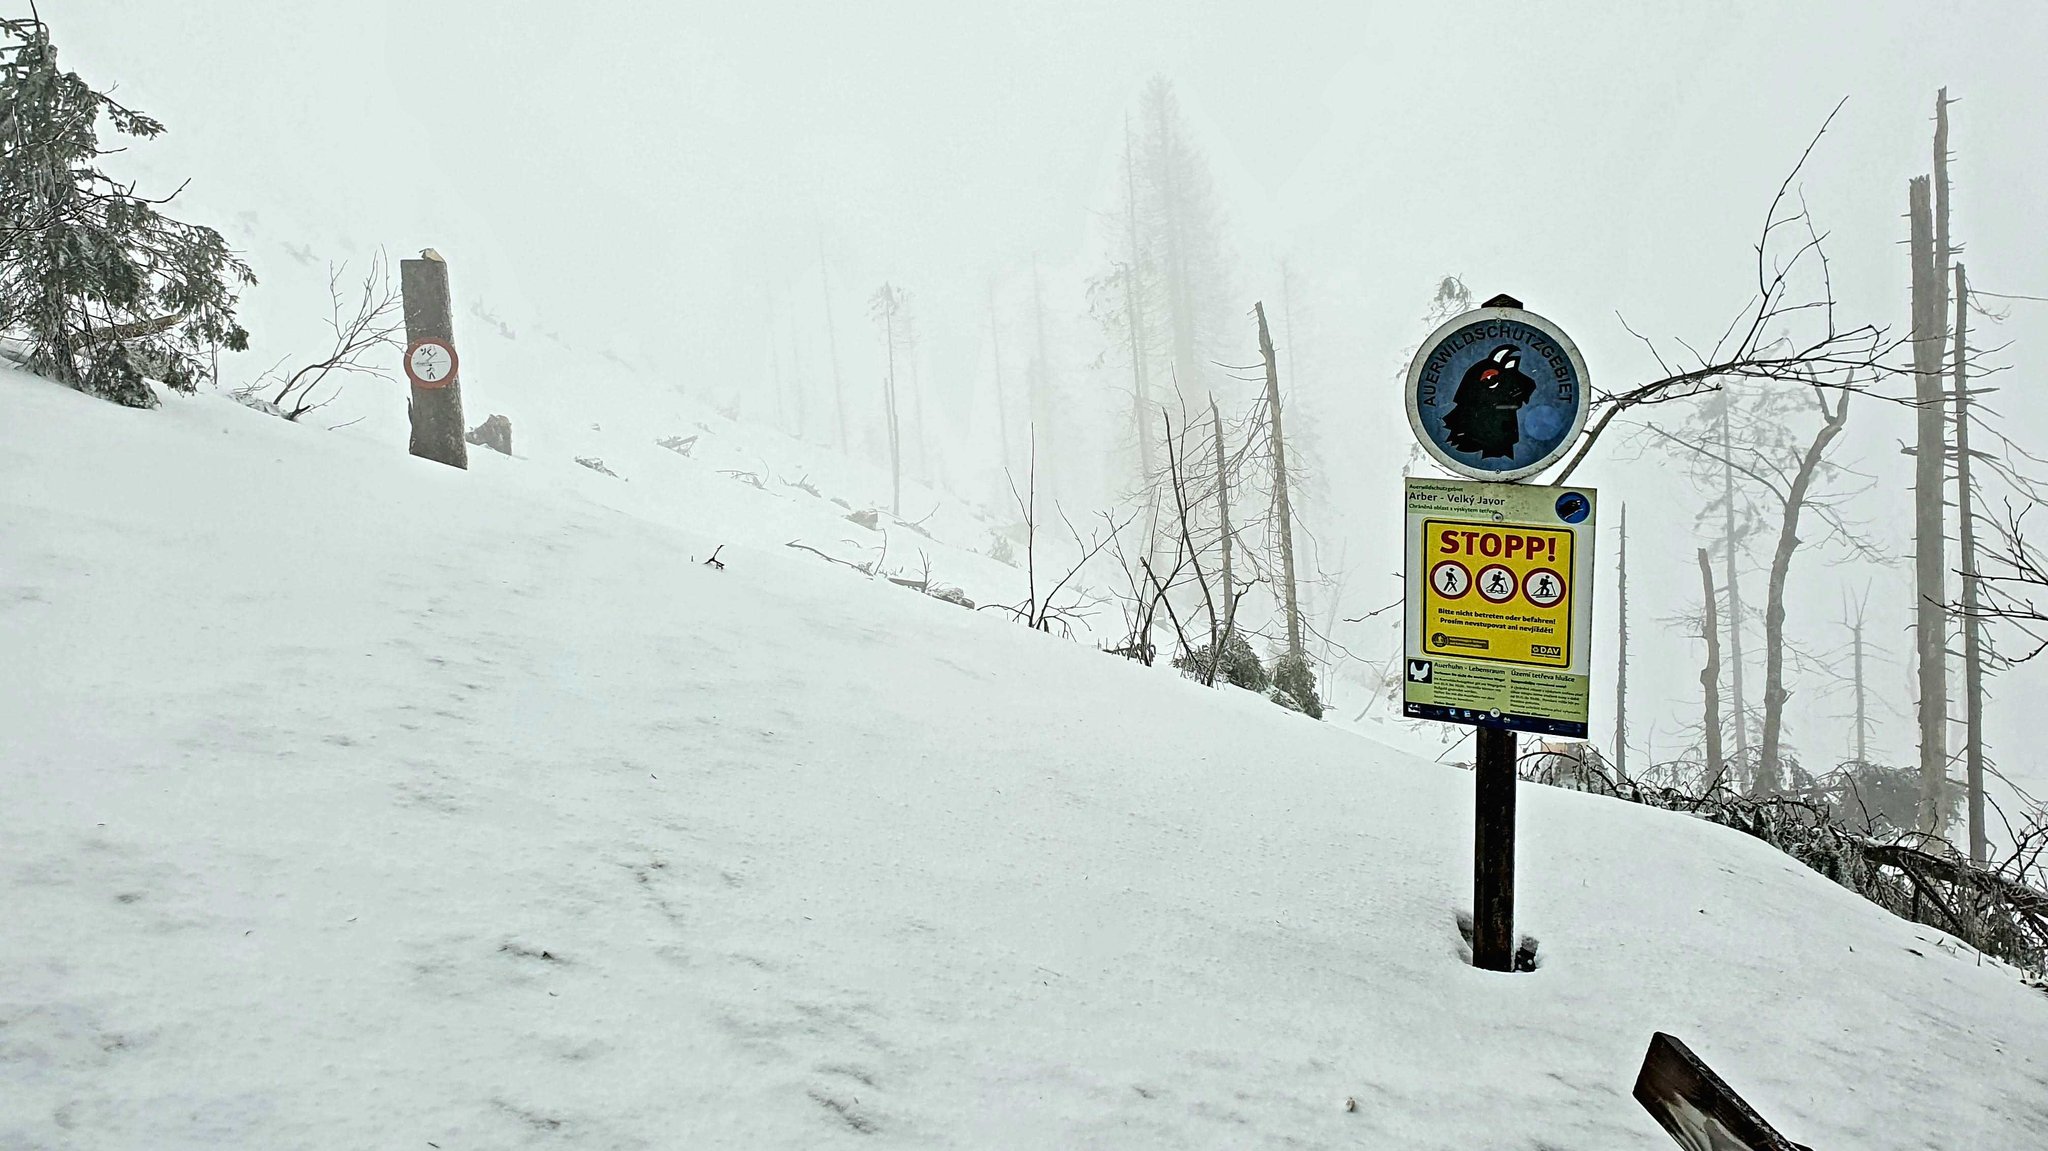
(1226, 535)
(885, 306)
(995, 344)
(1930, 569)
(1731, 543)
(1764, 456)
(1972, 621)
(1621, 653)
(832, 346)
(1795, 497)
(362, 327)
(1039, 376)
(1283, 510)
(1787, 331)
(1860, 720)
(1710, 675)
(1041, 613)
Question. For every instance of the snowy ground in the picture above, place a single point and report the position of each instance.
(350, 801)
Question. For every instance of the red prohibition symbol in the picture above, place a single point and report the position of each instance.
(1450, 579)
(1496, 583)
(430, 362)
(1543, 587)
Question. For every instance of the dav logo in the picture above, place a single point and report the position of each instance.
(1544, 649)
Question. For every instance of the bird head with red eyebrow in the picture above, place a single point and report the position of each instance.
(1505, 358)
(1483, 418)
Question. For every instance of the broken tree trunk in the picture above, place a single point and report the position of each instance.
(1283, 508)
(1973, 641)
(1930, 622)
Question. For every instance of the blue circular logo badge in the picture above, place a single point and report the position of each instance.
(1574, 507)
(1498, 393)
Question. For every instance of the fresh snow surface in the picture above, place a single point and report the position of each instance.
(349, 801)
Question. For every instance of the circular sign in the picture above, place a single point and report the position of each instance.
(430, 362)
(1451, 579)
(1498, 394)
(1496, 583)
(1543, 587)
(1574, 507)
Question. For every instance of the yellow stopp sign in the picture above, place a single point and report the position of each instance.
(1497, 592)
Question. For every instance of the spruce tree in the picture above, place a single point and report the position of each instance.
(101, 290)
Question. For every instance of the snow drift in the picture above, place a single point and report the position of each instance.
(348, 801)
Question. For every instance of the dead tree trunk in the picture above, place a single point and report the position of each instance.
(1943, 252)
(1223, 515)
(832, 347)
(1930, 625)
(1621, 664)
(1177, 472)
(1862, 730)
(1973, 642)
(924, 459)
(995, 343)
(1734, 576)
(1710, 675)
(1769, 773)
(887, 303)
(796, 370)
(1283, 508)
(1041, 383)
(775, 360)
(1135, 328)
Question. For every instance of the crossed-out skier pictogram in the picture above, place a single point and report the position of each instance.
(1543, 587)
(1496, 583)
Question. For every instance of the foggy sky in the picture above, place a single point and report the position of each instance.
(646, 174)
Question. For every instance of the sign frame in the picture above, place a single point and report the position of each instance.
(1499, 314)
(1509, 664)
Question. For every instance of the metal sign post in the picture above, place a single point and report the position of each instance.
(1498, 605)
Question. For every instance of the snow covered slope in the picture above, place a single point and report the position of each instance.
(350, 801)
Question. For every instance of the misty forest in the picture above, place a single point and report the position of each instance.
(837, 575)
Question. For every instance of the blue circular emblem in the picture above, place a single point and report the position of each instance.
(1498, 394)
(1574, 507)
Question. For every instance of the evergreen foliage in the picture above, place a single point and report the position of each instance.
(1294, 686)
(104, 290)
(1241, 665)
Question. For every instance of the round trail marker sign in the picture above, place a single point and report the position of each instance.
(1498, 393)
(430, 363)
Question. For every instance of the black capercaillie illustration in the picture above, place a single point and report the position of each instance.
(1486, 409)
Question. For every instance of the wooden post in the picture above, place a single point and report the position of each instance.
(437, 431)
(1493, 851)
(1696, 1107)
